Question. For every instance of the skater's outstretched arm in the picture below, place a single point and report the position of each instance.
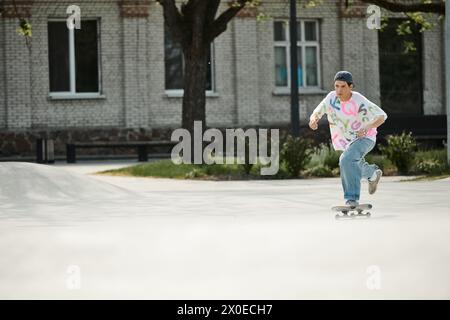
(317, 114)
(314, 121)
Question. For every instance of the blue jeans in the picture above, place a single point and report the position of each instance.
(354, 167)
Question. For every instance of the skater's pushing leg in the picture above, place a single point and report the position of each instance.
(353, 168)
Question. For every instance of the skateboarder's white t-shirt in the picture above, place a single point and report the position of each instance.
(347, 117)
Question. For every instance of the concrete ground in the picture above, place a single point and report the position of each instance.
(68, 234)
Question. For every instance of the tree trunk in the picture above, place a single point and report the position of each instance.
(195, 75)
(194, 98)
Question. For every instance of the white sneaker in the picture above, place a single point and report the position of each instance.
(373, 184)
(352, 203)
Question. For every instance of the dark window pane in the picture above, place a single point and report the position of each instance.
(299, 31)
(280, 67)
(58, 56)
(86, 57)
(173, 56)
(397, 95)
(279, 31)
(311, 66)
(174, 65)
(310, 31)
(300, 66)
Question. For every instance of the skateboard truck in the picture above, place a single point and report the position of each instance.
(348, 212)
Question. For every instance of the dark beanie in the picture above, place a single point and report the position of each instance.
(344, 76)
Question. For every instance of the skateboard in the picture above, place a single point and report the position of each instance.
(348, 212)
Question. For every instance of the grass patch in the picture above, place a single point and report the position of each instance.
(428, 165)
(160, 169)
(167, 169)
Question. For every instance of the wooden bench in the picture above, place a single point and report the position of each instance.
(141, 147)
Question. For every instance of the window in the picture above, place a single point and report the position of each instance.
(174, 66)
(73, 58)
(308, 49)
(399, 96)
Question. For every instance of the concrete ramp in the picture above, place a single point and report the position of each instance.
(24, 182)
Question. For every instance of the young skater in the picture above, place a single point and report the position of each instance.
(353, 120)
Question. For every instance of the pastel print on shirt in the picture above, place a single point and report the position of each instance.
(347, 117)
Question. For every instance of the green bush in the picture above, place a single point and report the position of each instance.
(319, 171)
(213, 169)
(281, 174)
(430, 166)
(381, 161)
(336, 172)
(432, 162)
(247, 166)
(325, 155)
(400, 151)
(332, 159)
(295, 154)
(436, 154)
(194, 173)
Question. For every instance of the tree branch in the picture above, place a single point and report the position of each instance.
(211, 11)
(188, 9)
(395, 6)
(174, 20)
(220, 24)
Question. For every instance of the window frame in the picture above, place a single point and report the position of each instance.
(302, 43)
(72, 94)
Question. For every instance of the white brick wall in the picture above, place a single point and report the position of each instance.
(79, 113)
(276, 108)
(132, 61)
(246, 71)
(17, 88)
(433, 71)
(2, 77)
(135, 73)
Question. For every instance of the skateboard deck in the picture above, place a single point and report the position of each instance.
(348, 212)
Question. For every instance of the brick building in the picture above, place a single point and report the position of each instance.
(120, 76)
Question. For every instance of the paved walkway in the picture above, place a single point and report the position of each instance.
(118, 237)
